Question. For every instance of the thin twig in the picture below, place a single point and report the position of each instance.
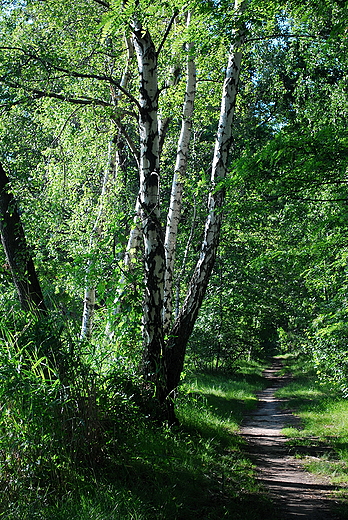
(55, 140)
(128, 139)
(165, 36)
(281, 35)
(84, 100)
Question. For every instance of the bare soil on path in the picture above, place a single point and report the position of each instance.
(296, 493)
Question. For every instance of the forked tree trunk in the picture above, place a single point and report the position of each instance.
(183, 326)
(17, 251)
(163, 363)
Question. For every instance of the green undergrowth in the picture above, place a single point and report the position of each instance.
(322, 436)
(140, 471)
(220, 401)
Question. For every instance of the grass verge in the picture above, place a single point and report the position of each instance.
(195, 471)
(322, 439)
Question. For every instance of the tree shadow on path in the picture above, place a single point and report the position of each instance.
(295, 492)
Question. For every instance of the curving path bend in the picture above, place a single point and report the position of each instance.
(296, 493)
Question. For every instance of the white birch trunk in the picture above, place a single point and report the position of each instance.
(90, 291)
(135, 236)
(88, 313)
(130, 54)
(183, 326)
(149, 204)
(184, 261)
(174, 212)
(219, 170)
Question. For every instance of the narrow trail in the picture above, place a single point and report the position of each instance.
(296, 493)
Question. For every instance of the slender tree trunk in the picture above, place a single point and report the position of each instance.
(17, 251)
(181, 274)
(174, 212)
(150, 212)
(88, 312)
(135, 237)
(90, 290)
(183, 326)
(110, 173)
(132, 252)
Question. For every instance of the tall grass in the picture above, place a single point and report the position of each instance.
(120, 465)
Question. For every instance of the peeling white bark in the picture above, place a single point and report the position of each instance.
(149, 201)
(183, 325)
(174, 212)
(218, 173)
(180, 276)
(88, 313)
(134, 239)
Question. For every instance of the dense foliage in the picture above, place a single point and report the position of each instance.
(80, 124)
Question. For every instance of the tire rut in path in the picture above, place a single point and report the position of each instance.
(296, 493)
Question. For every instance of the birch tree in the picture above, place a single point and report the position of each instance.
(154, 264)
(183, 326)
(70, 80)
(163, 362)
(175, 204)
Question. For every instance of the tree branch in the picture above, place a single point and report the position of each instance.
(84, 100)
(55, 140)
(165, 36)
(280, 35)
(128, 139)
(75, 74)
(289, 198)
(304, 199)
(104, 4)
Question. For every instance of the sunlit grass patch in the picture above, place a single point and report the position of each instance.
(329, 421)
(292, 432)
(301, 391)
(335, 469)
(322, 440)
(219, 400)
(323, 413)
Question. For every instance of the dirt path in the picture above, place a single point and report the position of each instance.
(296, 493)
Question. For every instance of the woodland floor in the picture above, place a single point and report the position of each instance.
(295, 492)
